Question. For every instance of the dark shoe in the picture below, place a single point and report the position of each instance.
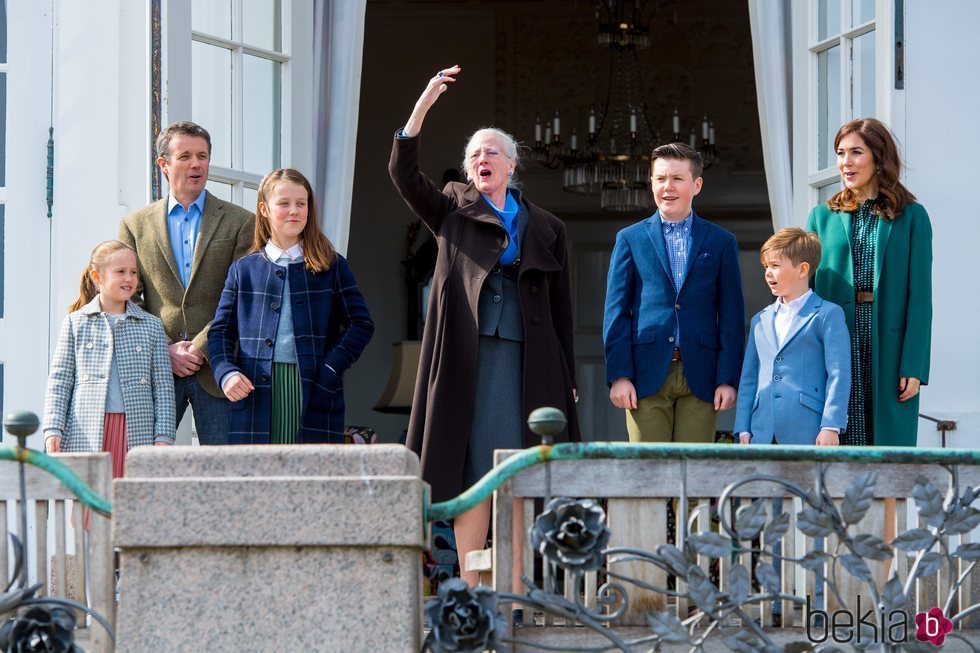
(517, 618)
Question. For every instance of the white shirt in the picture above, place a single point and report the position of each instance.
(785, 313)
(273, 251)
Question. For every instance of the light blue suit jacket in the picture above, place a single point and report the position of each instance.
(790, 392)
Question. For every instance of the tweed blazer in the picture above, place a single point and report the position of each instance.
(74, 403)
(225, 235)
(331, 327)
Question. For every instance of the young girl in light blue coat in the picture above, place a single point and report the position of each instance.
(110, 387)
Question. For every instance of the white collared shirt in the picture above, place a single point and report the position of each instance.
(274, 252)
(785, 313)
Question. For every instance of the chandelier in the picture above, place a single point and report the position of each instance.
(612, 159)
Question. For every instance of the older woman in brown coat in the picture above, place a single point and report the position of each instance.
(498, 329)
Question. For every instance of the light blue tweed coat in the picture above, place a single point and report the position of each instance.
(74, 402)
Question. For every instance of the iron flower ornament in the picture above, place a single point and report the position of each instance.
(571, 533)
(464, 619)
(39, 629)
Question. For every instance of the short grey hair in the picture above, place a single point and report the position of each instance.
(511, 149)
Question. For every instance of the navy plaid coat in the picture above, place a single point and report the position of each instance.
(331, 327)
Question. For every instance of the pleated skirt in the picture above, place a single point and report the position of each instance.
(114, 441)
(286, 399)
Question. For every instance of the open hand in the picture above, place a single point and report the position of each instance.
(436, 86)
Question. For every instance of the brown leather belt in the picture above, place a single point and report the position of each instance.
(864, 297)
(676, 356)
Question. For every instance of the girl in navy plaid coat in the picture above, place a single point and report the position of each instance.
(289, 323)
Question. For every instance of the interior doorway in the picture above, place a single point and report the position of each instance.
(523, 60)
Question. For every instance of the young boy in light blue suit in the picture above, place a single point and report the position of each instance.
(796, 377)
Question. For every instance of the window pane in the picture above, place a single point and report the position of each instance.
(3, 31)
(219, 189)
(824, 193)
(862, 11)
(3, 129)
(828, 104)
(262, 101)
(828, 18)
(211, 97)
(250, 198)
(863, 76)
(212, 16)
(262, 23)
(2, 286)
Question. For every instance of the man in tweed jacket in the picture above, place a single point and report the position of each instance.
(185, 244)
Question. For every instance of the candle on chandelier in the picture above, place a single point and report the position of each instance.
(704, 128)
(557, 124)
(591, 121)
(677, 122)
(632, 121)
(693, 142)
(537, 129)
(711, 133)
(574, 141)
(547, 134)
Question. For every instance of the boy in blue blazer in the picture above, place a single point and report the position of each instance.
(796, 378)
(673, 325)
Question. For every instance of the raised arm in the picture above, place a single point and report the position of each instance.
(436, 87)
(426, 200)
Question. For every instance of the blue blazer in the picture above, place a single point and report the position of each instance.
(331, 327)
(643, 309)
(793, 391)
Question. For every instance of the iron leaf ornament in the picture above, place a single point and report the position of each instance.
(572, 534)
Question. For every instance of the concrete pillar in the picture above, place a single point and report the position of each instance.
(265, 548)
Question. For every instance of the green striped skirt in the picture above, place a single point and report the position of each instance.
(286, 400)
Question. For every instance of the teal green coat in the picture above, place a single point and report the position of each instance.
(901, 323)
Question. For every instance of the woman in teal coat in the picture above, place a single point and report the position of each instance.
(877, 265)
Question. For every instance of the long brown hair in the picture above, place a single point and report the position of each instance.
(893, 197)
(87, 290)
(318, 251)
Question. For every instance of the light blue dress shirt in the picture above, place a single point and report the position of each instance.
(183, 226)
(677, 238)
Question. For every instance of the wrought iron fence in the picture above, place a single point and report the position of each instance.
(40, 624)
(572, 535)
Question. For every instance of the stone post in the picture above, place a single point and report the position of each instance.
(266, 548)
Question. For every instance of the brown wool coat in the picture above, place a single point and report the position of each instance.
(225, 235)
(471, 240)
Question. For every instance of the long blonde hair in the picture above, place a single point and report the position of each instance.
(87, 290)
(318, 251)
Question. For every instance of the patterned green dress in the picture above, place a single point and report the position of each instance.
(864, 235)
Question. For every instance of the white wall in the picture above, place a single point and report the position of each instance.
(99, 114)
(941, 136)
